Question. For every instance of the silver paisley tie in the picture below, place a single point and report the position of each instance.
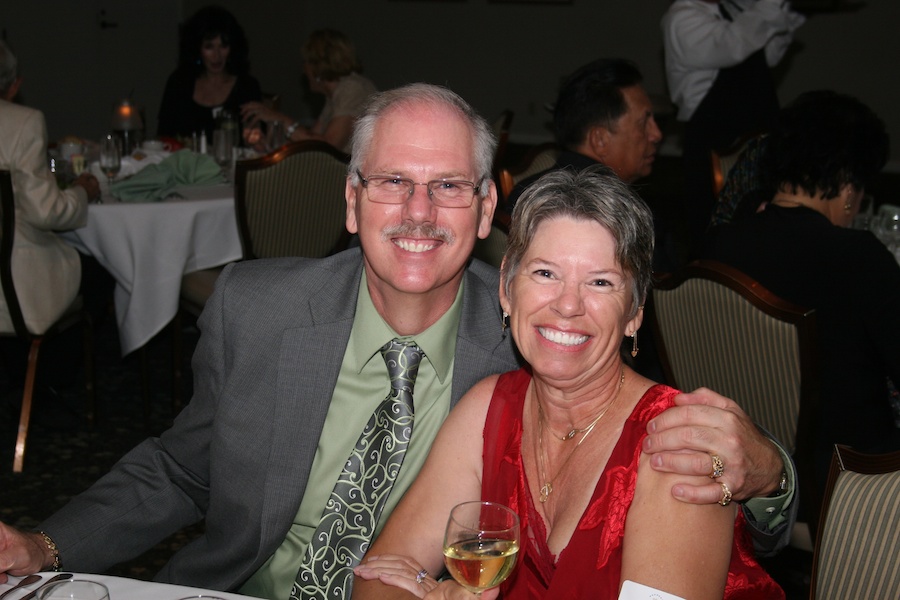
(354, 507)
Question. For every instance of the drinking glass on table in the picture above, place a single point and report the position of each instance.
(223, 145)
(110, 157)
(481, 543)
(73, 589)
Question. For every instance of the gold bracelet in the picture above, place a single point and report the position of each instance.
(54, 551)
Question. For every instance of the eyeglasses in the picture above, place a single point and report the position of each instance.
(446, 193)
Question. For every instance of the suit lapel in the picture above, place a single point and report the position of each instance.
(309, 361)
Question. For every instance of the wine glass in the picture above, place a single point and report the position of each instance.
(481, 543)
(73, 589)
(110, 157)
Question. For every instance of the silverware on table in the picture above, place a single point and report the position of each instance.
(59, 577)
(27, 581)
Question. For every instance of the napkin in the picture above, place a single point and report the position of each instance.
(157, 181)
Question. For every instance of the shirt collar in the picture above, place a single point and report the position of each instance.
(370, 332)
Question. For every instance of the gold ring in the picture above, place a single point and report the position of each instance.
(718, 467)
(420, 576)
(726, 495)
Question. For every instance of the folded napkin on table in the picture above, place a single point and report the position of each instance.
(155, 182)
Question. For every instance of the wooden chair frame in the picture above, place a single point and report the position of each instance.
(244, 167)
(507, 178)
(847, 459)
(800, 318)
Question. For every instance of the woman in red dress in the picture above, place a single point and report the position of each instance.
(560, 441)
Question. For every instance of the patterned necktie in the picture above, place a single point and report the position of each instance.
(354, 507)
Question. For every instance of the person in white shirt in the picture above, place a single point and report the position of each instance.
(719, 55)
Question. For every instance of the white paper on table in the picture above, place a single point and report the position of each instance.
(637, 591)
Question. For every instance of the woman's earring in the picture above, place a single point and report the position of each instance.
(504, 321)
(634, 346)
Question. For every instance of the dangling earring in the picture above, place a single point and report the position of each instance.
(504, 321)
(634, 346)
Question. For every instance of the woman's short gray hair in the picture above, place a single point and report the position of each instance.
(595, 194)
(381, 103)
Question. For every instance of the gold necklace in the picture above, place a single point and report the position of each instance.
(547, 488)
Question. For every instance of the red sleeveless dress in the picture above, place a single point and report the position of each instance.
(591, 565)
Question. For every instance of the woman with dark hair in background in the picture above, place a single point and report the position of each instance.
(824, 151)
(212, 75)
(332, 69)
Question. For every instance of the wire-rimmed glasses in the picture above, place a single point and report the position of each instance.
(446, 193)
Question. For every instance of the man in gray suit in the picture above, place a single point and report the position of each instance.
(287, 373)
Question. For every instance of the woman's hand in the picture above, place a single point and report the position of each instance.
(253, 113)
(405, 573)
(398, 571)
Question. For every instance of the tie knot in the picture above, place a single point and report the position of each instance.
(402, 360)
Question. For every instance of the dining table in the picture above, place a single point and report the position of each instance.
(122, 588)
(148, 246)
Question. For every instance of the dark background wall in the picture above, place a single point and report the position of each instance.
(497, 54)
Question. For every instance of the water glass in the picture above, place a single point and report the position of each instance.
(223, 144)
(73, 589)
(276, 136)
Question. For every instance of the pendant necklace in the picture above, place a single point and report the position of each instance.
(547, 488)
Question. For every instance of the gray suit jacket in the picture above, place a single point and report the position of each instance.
(239, 455)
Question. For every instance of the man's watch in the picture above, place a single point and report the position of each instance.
(782, 485)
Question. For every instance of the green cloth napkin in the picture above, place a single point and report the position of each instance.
(155, 182)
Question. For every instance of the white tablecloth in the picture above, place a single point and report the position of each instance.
(148, 246)
(121, 588)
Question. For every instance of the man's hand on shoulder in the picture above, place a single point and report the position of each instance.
(703, 424)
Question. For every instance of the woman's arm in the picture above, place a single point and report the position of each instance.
(679, 548)
(451, 474)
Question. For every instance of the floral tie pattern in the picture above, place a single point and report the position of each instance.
(358, 498)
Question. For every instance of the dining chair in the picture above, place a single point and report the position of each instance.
(716, 327)
(288, 203)
(73, 315)
(858, 541)
(501, 126)
(540, 158)
(493, 247)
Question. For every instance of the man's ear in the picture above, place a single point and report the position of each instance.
(598, 141)
(350, 193)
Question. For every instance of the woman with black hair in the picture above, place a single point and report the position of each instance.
(826, 148)
(212, 75)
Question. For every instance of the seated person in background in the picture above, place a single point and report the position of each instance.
(332, 69)
(212, 76)
(285, 381)
(559, 441)
(48, 272)
(824, 151)
(603, 115)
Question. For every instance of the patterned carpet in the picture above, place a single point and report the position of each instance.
(64, 456)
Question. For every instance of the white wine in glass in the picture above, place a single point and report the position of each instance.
(110, 157)
(481, 544)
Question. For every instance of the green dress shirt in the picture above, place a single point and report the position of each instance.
(362, 385)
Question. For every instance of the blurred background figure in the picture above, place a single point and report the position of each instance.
(718, 55)
(332, 69)
(212, 80)
(826, 148)
(48, 273)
